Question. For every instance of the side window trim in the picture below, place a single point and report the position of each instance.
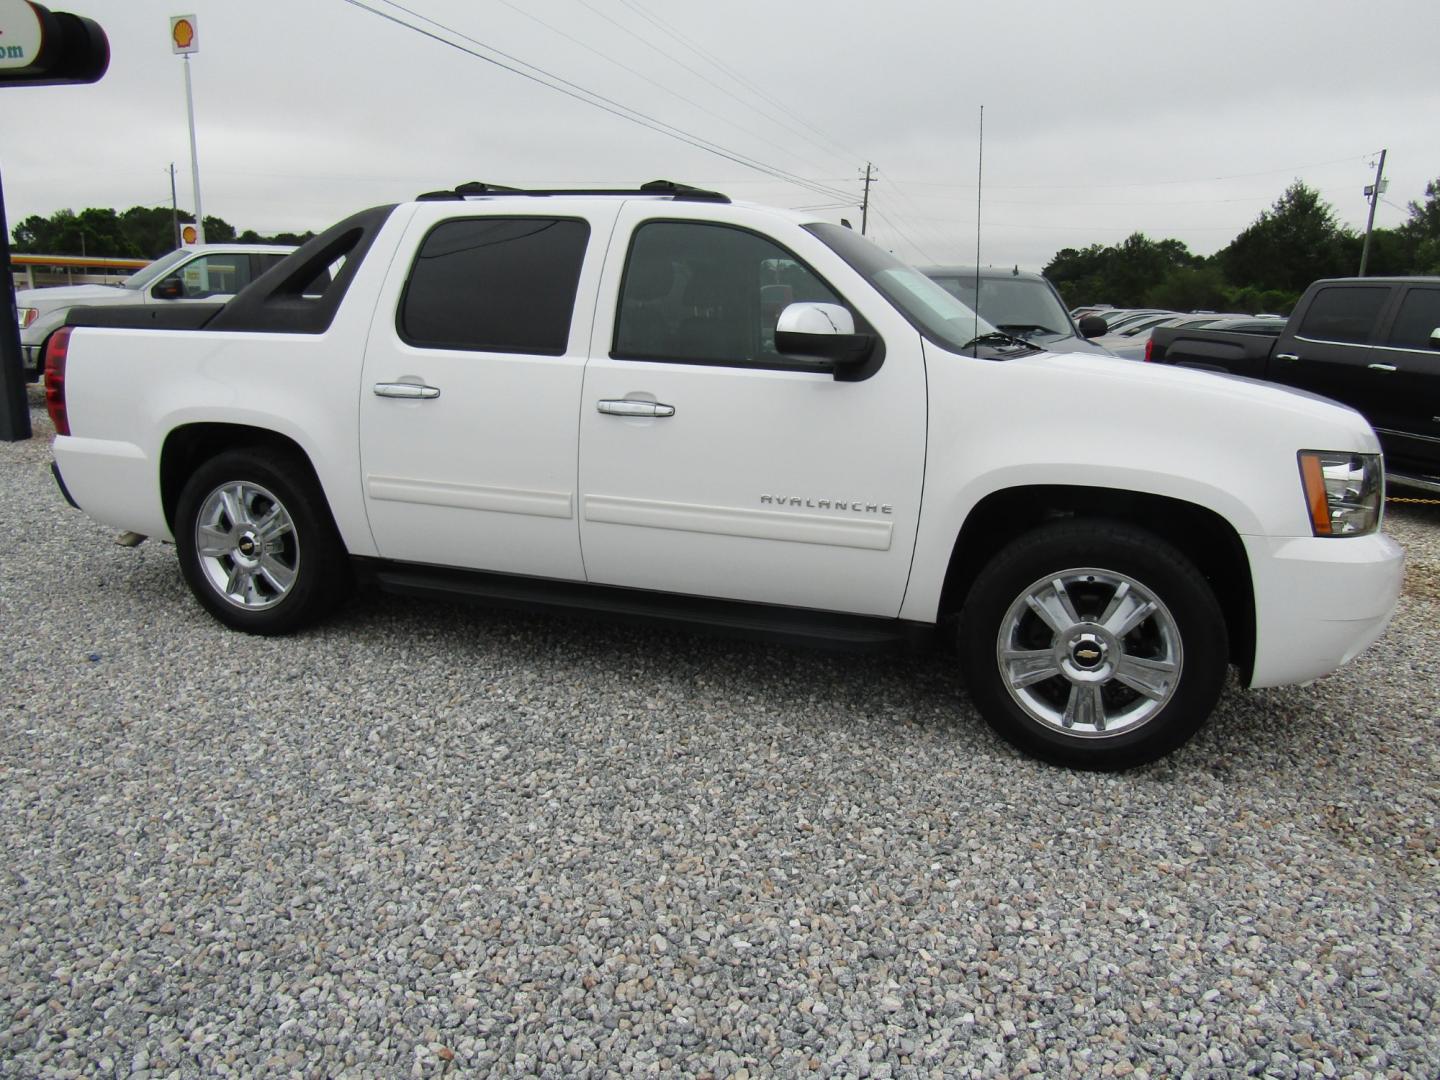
(780, 363)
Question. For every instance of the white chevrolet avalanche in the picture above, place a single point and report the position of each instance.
(659, 402)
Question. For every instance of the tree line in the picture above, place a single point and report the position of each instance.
(142, 232)
(1266, 268)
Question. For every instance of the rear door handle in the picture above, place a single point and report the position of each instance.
(629, 407)
(1287, 356)
(409, 390)
(1381, 367)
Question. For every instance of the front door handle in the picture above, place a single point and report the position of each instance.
(409, 390)
(1290, 357)
(629, 407)
(1381, 367)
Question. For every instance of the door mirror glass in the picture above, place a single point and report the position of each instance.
(1435, 338)
(171, 288)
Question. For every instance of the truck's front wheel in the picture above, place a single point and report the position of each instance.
(1094, 644)
(256, 543)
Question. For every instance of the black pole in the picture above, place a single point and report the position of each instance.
(15, 414)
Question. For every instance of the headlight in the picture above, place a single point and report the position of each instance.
(1343, 491)
(24, 316)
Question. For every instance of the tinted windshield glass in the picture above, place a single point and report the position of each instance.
(1019, 305)
(934, 312)
(156, 270)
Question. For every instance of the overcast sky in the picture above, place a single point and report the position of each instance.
(1100, 119)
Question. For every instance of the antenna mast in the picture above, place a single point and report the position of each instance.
(979, 180)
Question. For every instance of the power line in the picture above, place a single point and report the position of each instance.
(589, 97)
(740, 80)
(1151, 183)
(633, 71)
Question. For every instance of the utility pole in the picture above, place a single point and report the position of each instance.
(865, 202)
(174, 206)
(1373, 191)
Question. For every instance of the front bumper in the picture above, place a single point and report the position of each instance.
(1319, 602)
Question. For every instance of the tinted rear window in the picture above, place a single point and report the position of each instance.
(495, 285)
(1344, 314)
(1419, 317)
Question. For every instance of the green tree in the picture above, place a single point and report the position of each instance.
(1190, 288)
(1121, 274)
(1423, 229)
(1289, 245)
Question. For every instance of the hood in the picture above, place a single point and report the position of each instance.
(71, 295)
(1228, 399)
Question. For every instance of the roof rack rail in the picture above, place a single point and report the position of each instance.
(678, 192)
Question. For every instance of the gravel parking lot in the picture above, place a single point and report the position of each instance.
(426, 840)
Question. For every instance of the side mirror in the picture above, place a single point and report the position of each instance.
(1435, 338)
(826, 331)
(1092, 326)
(171, 288)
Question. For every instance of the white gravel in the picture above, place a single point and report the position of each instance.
(426, 839)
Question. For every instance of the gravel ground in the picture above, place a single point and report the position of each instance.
(426, 840)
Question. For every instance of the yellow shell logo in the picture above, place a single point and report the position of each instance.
(184, 33)
(188, 234)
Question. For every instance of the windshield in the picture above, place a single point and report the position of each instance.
(931, 310)
(1026, 307)
(146, 275)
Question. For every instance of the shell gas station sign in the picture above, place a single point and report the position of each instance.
(184, 38)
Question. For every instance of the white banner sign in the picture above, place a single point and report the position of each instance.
(20, 34)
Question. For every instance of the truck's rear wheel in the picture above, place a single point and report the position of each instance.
(1094, 644)
(256, 543)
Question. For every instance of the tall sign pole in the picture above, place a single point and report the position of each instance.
(1373, 191)
(184, 40)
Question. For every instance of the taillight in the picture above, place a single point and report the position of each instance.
(1149, 349)
(56, 349)
(25, 316)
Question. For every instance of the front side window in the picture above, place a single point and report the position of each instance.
(1418, 319)
(708, 294)
(1344, 314)
(214, 275)
(493, 284)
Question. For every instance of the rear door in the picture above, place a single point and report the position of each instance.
(1331, 350)
(757, 477)
(471, 386)
(1405, 371)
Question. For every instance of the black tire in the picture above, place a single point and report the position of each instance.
(1090, 712)
(269, 560)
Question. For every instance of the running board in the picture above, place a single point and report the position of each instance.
(730, 618)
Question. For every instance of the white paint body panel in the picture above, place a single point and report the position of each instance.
(675, 503)
(514, 469)
(483, 476)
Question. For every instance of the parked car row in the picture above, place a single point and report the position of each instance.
(1127, 330)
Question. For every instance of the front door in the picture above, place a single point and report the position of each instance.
(710, 463)
(471, 387)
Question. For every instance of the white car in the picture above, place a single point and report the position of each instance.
(659, 402)
(205, 272)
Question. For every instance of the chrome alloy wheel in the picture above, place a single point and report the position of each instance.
(1089, 653)
(246, 545)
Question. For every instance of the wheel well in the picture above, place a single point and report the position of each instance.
(1203, 535)
(188, 446)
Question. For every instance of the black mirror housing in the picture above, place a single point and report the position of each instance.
(1092, 326)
